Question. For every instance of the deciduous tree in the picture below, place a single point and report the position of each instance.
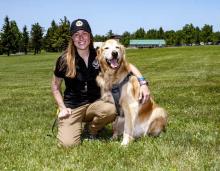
(207, 33)
(188, 34)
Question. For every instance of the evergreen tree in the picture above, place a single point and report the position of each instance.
(170, 37)
(36, 37)
(109, 34)
(16, 36)
(139, 34)
(6, 38)
(197, 36)
(160, 33)
(25, 40)
(152, 34)
(62, 35)
(51, 38)
(178, 38)
(1, 47)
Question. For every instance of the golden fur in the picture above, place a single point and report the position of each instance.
(139, 119)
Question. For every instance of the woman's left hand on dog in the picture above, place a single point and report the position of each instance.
(144, 93)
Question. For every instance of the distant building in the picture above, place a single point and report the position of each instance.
(147, 43)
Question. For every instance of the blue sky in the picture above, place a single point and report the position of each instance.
(115, 15)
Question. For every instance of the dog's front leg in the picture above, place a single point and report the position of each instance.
(126, 139)
(118, 127)
(130, 112)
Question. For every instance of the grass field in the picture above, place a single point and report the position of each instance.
(186, 81)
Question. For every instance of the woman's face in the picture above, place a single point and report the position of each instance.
(81, 39)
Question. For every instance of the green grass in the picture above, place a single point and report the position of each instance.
(186, 81)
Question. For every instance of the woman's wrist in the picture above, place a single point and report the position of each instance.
(62, 107)
(142, 81)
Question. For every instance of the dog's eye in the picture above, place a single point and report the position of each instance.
(117, 47)
(106, 48)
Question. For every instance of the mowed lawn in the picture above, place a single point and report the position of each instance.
(185, 81)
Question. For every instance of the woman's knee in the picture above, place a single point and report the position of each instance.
(68, 142)
(105, 118)
(101, 107)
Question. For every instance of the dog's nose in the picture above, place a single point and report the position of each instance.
(114, 54)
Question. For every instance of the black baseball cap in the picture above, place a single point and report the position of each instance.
(80, 24)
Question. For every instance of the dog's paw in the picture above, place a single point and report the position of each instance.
(124, 144)
(126, 139)
(114, 137)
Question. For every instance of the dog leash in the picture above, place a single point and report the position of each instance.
(53, 126)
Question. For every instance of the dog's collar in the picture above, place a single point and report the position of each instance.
(116, 93)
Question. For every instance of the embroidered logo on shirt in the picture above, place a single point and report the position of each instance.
(95, 64)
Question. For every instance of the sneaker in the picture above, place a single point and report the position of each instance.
(93, 137)
(99, 135)
(86, 135)
(89, 137)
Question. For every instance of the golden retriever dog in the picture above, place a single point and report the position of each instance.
(135, 119)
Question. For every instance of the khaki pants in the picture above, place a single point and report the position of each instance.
(98, 114)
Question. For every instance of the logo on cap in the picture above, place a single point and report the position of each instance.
(79, 23)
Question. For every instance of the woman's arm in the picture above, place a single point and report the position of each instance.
(56, 90)
(144, 90)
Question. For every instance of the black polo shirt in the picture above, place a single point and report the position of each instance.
(81, 89)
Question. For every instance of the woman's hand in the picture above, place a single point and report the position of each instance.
(64, 112)
(144, 93)
(55, 86)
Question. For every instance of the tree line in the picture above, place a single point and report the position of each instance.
(56, 37)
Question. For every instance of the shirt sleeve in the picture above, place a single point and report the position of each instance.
(60, 68)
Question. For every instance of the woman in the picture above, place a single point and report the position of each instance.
(79, 68)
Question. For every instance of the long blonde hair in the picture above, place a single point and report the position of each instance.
(70, 60)
(70, 57)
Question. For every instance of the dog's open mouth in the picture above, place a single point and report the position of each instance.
(113, 63)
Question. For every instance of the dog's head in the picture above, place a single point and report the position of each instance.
(111, 55)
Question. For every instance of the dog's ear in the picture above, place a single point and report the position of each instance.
(99, 58)
(122, 50)
(98, 52)
(97, 49)
(124, 61)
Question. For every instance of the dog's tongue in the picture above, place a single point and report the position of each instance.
(114, 63)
